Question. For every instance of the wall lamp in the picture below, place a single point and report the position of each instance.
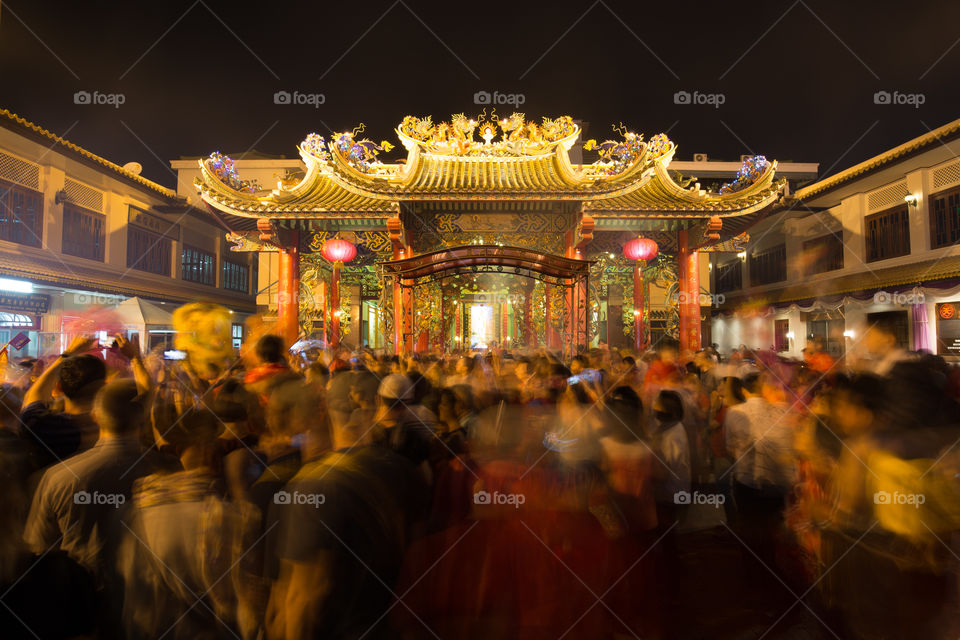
(911, 199)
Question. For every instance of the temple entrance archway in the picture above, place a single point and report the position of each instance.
(552, 309)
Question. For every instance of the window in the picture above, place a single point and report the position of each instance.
(825, 253)
(236, 333)
(898, 321)
(769, 266)
(781, 341)
(148, 251)
(730, 276)
(235, 276)
(21, 214)
(197, 265)
(84, 233)
(888, 234)
(945, 219)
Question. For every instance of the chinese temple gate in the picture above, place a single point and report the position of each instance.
(486, 233)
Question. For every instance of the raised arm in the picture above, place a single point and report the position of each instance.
(42, 389)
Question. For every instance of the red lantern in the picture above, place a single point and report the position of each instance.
(640, 249)
(338, 250)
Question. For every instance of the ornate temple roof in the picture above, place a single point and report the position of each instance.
(493, 159)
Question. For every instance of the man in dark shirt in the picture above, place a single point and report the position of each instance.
(77, 376)
(344, 525)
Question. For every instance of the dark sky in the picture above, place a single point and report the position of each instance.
(797, 78)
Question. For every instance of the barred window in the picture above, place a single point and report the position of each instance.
(730, 276)
(769, 266)
(945, 219)
(84, 232)
(825, 253)
(888, 234)
(235, 276)
(197, 265)
(21, 214)
(148, 251)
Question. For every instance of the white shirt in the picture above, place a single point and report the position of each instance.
(674, 451)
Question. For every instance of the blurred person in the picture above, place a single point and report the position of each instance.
(400, 429)
(880, 342)
(664, 371)
(78, 502)
(817, 358)
(422, 389)
(756, 434)
(176, 578)
(671, 444)
(76, 376)
(45, 595)
(341, 546)
(338, 390)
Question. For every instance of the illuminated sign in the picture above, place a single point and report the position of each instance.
(29, 302)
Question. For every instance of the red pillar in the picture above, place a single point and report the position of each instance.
(322, 303)
(408, 309)
(335, 306)
(689, 302)
(288, 307)
(639, 329)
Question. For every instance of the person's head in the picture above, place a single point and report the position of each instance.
(463, 402)
(420, 385)
(732, 391)
(464, 366)
(881, 336)
(118, 409)
(81, 377)
(578, 364)
(629, 363)
(625, 409)
(270, 350)
(194, 436)
(668, 407)
(363, 391)
(856, 403)
(668, 350)
(395, 391)
(752, 385)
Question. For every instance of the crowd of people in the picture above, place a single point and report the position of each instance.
(502, 493)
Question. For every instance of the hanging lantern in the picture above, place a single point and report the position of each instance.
(338, 250)
(640, 249)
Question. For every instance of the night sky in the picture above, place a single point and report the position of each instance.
(796, 80)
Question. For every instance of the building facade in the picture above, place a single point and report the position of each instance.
(79, 235)
(875, 240)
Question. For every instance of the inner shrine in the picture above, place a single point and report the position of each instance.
(486, 234)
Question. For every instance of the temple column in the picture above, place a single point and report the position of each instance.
(529, 331)
(288, 304)
(395, 229)
(639, 328)
(323, 311)
(408, 303)
(335, 306)
(689, 289)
